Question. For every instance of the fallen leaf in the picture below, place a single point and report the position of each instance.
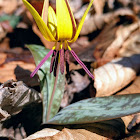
(131, 45)
(121, 35)
(132, 88)
(111, 129)
(15, 95)
(3, 57)
(115, 75)
(9, 8)
(99, 6)
(42, 134)
(78, 83)
(18, 70)
(75, 5)
(114, 31)
(66, 134)
(93, 23)
(124, 2)
(79, 134)
(2, 33)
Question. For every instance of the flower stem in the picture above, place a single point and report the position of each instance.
(53, 92)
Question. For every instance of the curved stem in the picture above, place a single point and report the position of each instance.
(53, 92)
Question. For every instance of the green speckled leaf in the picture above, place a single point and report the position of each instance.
(47, 81)
(98, 109)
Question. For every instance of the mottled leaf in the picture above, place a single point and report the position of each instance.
(47, 82)
(98, 109)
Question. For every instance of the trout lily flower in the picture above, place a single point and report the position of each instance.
(58, 27)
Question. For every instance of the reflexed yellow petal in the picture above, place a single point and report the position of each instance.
(52, 23)
(45, 11)
(41, 25)
(64, 23)
(82, 22)
(72, 18)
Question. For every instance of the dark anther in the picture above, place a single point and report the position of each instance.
(52, 61)
(67, 56)
(56, 63)
(67, 60)
(62, 61)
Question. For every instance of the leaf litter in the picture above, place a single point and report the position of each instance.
(111, 42)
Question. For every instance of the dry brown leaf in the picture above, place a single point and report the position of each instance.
(4, 44)
(9, 6)
(134, 121)
(95, 22)
(78, 83)
(68, 134)
(2, 32)
(79, 134)
(115, 75)
(133, 88)
(133, 136)
(121, 35)
(42, 133)
(73, 66)
(14, 96)
(104, 39)
(78, 15)
(75, 5)
(3, 56)
(99, 6)
(134, 127)
(3, 114)
(131, 121)
(92, 24)
(111, 4)
(131, 45)
(125, 2)
(18, 70)
(108, 34)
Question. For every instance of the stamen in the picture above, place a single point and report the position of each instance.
(52, 61)
(62, 61)
(67, 60)
(81, 63)
(41, 63)
(56, 63)
(67, 56)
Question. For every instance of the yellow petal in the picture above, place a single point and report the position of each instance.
(82, 22)
(64, 23)
(72, 18)
(41, 25)
(52, 22)
(45, 11)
